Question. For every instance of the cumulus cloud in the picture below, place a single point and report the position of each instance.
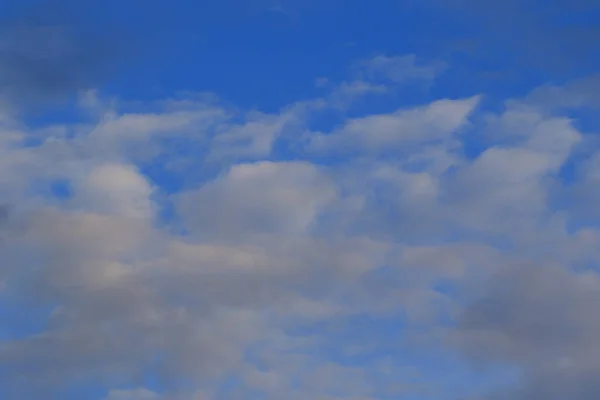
(335, 271)
(115, 189)
(262, 197)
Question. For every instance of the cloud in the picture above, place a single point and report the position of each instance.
(523, 320)
(380, 75)
(400, 69)
(115, 189)
(256, 137)
(135, 394)
(347, 93)
(374, 133)
(262, 197)
(42, 63)
(576, 94)
(300, 274)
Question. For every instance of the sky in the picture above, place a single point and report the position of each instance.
(285, 199)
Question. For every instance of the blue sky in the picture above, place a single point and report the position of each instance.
(290, 199)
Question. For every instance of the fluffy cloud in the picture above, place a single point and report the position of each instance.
(264, 197)
(115, 189)
(333, 271)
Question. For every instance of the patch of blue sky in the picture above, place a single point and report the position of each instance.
(18, 319)
(247, 63)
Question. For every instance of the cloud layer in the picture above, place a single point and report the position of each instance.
(184, 249)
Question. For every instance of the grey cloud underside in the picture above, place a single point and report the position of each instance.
(543, 318)
(48, 55)
(44, 65)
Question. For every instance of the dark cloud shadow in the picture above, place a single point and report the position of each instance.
(49, 51)
(515, 41)
(542, 319)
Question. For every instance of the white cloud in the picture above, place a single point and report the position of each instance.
(254, 139)
(115, 189)
(279, 257)
(436, 121)
(264, 197)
